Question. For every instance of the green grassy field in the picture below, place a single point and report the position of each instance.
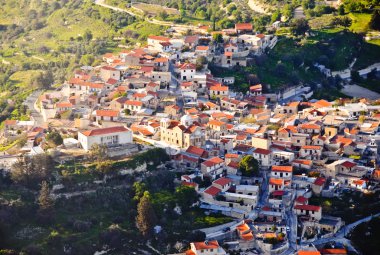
(360, 22)
(23, 79)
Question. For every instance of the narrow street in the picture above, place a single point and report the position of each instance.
(30, 103)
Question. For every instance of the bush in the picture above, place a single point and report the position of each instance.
(55, 138)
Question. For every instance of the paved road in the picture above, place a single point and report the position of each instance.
(344, 231)
(298, 13)
(358, 92)
(30, 103)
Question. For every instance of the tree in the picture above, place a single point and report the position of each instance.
(55, 138)
(249, 166)
(127, 112)
(200, 62)
(345, 22)
(99, 152)
(375, 21)
(87, 60)
(43, 80)
(31, 171)
(186, 196)
(163, 15)
(275, 16)
(139, 188)
(146, 218)
(341, 9)
(197, 236)
(87, 36)
(355, 76)
(217, 37)
(287, 11)
(104, 167)
(299, 26)
(45, 202)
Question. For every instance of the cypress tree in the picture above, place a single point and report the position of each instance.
(146, 217)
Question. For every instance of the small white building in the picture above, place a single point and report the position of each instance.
(111, 136)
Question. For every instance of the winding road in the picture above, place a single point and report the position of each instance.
(152, 21)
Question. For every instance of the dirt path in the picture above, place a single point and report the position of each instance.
(153, 21)
(258, 7)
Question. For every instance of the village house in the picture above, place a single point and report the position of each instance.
(314, 212)
(206, 248)
(213, 167)
(111, 136)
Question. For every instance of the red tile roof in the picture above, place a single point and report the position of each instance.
(187, 66)
(308, 207)
(213, 161)
(222, 181)
(216, 123)
(277, 182)
(282, 168)
(309, 253)
(159, 38)
(257, 87)
(195, 150)
(348, 164)
(231, 155)
(64, 105)
(202, 48)
(333, 251)
(319, 181)
(311, 147)
(213, 191)
(104, 131)
(133, 102)
(303, 161)
(219, 87)
(107, 113)
(213, 244)
(262, 151)
(243, 26)
(278, 193)
(301, 199)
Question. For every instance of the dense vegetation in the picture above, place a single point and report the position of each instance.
(366, 237)
(84, 216)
